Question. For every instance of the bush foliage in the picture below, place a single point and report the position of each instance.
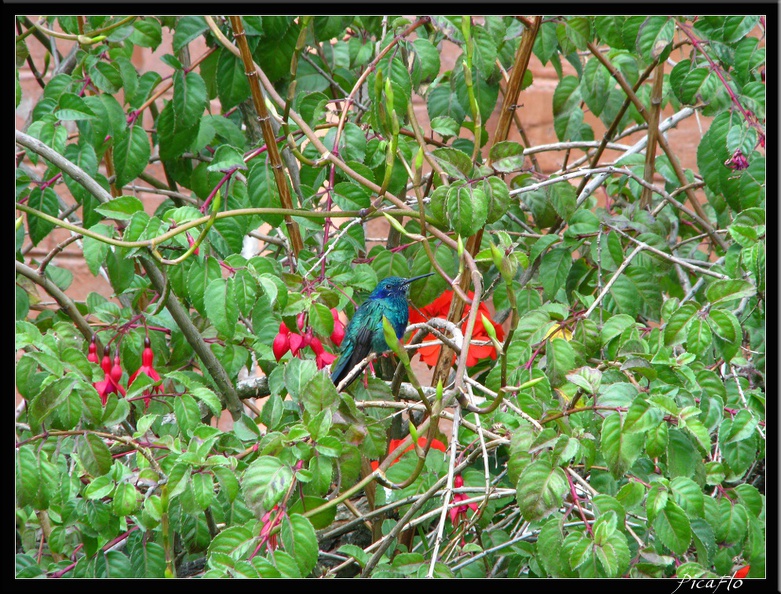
(617, 427)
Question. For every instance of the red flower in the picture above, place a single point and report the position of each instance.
(147, 367)
(285, 341)
(322, 357)
(111, 376)
(268, 524)
(337, 336)
(394, 443)
(439, 308)
(281, 343)
(458, 512)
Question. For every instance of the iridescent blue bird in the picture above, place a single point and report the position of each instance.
(364, 333)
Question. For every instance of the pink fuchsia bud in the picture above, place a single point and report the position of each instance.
(281, 344)
(300, 320)
(105, 363)
(116, 374)
(93, 350)
(316, 345)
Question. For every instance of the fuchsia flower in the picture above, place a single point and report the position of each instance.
(458, 512)
(285, 340)
(111, 377)
(269, 524)
(147, 367)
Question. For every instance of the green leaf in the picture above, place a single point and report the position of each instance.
(73, 108)
(264, 483)
(445, 126)
(742, 427)
(131, 154)
(298, 373)
(733, 522)
(220, 305)
(673, 528)
(300, 541)
(560, 361)
(189, 101)
(720, 291)
(689, 496)
(232, 84)
(95, 251)
(46, 201)
(698, 337)
(619, 448)
(146, 33)
(148, 561)
(467, 209)
(27, 475)
(187, 29)
(319, 394)
(188, 415)
(125, 499)
(655, 36)
(94, 455)
(506, 156)
(554, 269)
(677, 325)
(498, 198)
(540, 489)
(121, 209)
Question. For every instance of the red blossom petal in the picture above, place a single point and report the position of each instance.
(296, 341)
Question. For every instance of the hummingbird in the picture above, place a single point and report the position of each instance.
(364, 333)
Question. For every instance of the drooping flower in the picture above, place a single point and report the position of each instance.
(111, 376)
(458, 512)
(394, 443)
(322, 357)
(439, 308)
(269, 524)
(337, 336)
(281, 344)
(147, 367)
(285, 341)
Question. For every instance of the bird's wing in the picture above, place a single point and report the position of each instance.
(360, 344)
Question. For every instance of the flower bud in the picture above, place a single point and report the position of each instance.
(281, 345)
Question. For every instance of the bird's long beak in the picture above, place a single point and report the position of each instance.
(414, 278)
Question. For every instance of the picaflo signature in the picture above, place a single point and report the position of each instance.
(712, 584)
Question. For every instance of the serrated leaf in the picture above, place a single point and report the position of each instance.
(619, 448)
(554, 269)
(673, 528)
(540, 489)
(728, 290)
(220, 305)
(264, 482)
(506, 156)
(94, 455)
(300, 541)
(677, 325)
